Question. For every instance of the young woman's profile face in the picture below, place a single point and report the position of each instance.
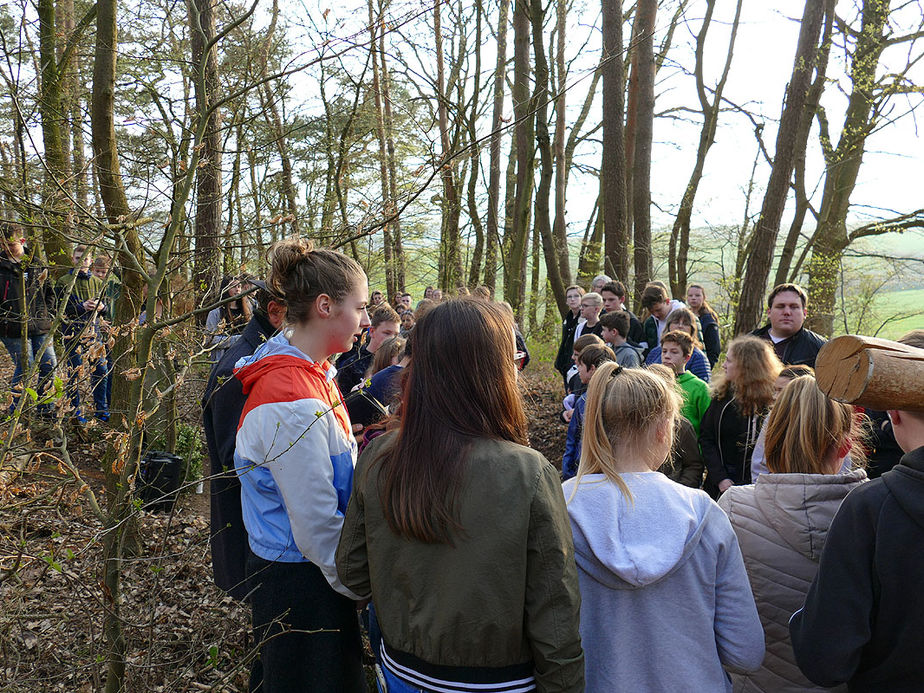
(731, 367)
(348, 319)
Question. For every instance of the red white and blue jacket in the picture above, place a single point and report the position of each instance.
(294, 455)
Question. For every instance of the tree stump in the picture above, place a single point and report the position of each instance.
(871, 372)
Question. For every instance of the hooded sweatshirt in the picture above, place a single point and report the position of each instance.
(665, 600)
(294, 455)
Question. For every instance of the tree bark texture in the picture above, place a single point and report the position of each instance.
(613, 166)
(392, 208)
(641, 165)
(760, 257)
(494, 166)
(843, 167)
(207, 259)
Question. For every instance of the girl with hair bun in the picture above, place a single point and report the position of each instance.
(295, 454)
(665, 602)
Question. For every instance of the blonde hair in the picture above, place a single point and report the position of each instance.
(592, 297)
(625, 408)
(805, 426)
(758, 368)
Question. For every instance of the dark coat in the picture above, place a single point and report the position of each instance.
(686, 464)
(712, 342)
(727, 438)
(801, 349)
(861, 623)
(565, 349)
(222, 405)
(353, 369)
(24, 292)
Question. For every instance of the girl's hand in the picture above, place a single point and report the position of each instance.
(725, 484)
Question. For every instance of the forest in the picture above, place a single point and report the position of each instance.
(516, 144)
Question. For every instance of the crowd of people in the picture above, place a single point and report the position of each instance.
(717, 523)
(479, 565)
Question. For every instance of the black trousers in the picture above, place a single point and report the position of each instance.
(291, 603)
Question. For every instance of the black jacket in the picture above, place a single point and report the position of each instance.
(24, 291)
(350, 371)
(802, 348)
(863, 615)
(727, 439)
(711, 339)
(222, 405)
(566, 348)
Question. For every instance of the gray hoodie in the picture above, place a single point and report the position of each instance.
(665, 600)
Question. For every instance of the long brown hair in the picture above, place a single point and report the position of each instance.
(806, 426)
(705, 308)
(460, 386)
(758, 368)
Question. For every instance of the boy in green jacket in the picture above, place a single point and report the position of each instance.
(676, 350)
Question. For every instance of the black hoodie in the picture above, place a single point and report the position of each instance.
(863, 619)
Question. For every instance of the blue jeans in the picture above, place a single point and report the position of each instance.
(46, 366)
(99, 371)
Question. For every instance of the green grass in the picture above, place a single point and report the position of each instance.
(900, 311)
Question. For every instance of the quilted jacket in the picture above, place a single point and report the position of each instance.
(782, 522)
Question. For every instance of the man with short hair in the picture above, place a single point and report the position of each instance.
(658, 304)
(863, 615)
(787, 307)
(598, 282)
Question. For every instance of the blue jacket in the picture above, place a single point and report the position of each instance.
(569, 463)
(294, 455)
(698, 365)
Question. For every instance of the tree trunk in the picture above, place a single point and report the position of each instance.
(613, 167)
(679, 247)
(562, 162)
(390, 285)
(805, 125)
(398, 246)
(861, 118)
(207, 259)
(760, 258)
(55, 204)
(641, 166)
(451, 265)
(523, 133)
(494, 168)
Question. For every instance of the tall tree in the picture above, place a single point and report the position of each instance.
(392, 210)
(679, 246)
(562, 162)
(494, 167)
(763, 239)
(613, 166)
(641, 165)
(543, 224)
(207, 262)
(516, 246)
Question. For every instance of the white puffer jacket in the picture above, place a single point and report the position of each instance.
(782, 521)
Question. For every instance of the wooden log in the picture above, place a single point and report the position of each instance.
(871, 372)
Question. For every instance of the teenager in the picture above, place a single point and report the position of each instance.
(676, 352)
(614, 331)
(587, 362)
(787, 375)
(385, 324)
(685, 465)
(614, 298)
(787, 308)
(708, 320)
(563, 360)
(658, 305)
(80, 291)
(740, 402)
(407, 323)
(294, 455)
(575, 387)
(665, 602)
(458, 530)
(226, 322)
(861, 623)
(591, 305)
(684, 320)
(783, 519)
(26, 300)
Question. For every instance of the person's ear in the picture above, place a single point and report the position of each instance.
(323, 305)
(687, 359)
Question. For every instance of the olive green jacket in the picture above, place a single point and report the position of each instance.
(506, 594)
